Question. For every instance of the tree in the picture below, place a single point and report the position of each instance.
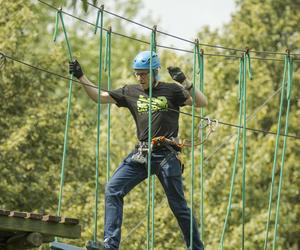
(260, 26)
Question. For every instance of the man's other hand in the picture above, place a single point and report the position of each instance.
(176, 74)
(75, 69)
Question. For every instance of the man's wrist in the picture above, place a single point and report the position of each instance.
(187, 85)
(81, 77)
(189, 88)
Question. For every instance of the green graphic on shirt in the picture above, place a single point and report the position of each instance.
(158, 103)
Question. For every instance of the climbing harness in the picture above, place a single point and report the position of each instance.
(157, 143)
(162, 141)
(172, 145)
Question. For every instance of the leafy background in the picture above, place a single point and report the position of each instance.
(33, 110)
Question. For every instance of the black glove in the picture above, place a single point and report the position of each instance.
(176, 74)
(75, 69)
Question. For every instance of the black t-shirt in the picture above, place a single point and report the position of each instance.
(165, 96)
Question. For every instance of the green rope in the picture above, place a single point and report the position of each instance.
(65, 147)
(154, 39)
(98, 18)
(244, 136)
(276, 152)
(201, 87)
(153, 177)
(66, 36)
(289, 90)
(56, 26)
(149, 145)
(249, 66)
(153, 211)
(69, 104)
(98, 125)
(108, 69)
(193, 146)
(290, 78)
(236, 151)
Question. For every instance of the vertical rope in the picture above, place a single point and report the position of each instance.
(69, 104)
(193, 145)
(108, 69)
(200, 55)
(100, 11)
(66, 36)
(250, 75)
(56, 25)
(236, 151)
(276, 151)
(149, 141)
(65, 147)
(97, 20)
(153, 45)
(288, 96)
(244, 148)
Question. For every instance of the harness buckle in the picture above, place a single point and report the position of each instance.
(141, 155)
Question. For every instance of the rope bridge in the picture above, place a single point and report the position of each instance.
(245, 72)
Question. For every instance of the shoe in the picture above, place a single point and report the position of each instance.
(92, 245)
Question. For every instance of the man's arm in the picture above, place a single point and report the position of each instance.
(93, 91)
(179, 77)
(200, 98)
(90, 88)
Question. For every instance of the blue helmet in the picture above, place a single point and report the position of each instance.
(142, 60)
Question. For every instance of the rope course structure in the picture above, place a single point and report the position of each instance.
(205, 122)
(255, 130)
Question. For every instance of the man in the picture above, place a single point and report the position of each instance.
(166, 97)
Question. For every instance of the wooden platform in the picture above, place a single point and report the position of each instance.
(22, 230)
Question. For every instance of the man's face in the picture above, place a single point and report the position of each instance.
(142, 76)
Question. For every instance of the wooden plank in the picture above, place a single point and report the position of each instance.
(18, 214)
(40, 226)
(4, 212)
(70, 221)
(34, 216)
(51, 218)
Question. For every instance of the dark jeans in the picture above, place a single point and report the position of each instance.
(127, 176)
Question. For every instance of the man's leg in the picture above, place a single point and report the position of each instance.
(125, 178)
(171, 180)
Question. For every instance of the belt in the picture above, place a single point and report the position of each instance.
(159, 143)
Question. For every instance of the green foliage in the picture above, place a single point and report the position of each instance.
(261, 26)
(33, 110)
